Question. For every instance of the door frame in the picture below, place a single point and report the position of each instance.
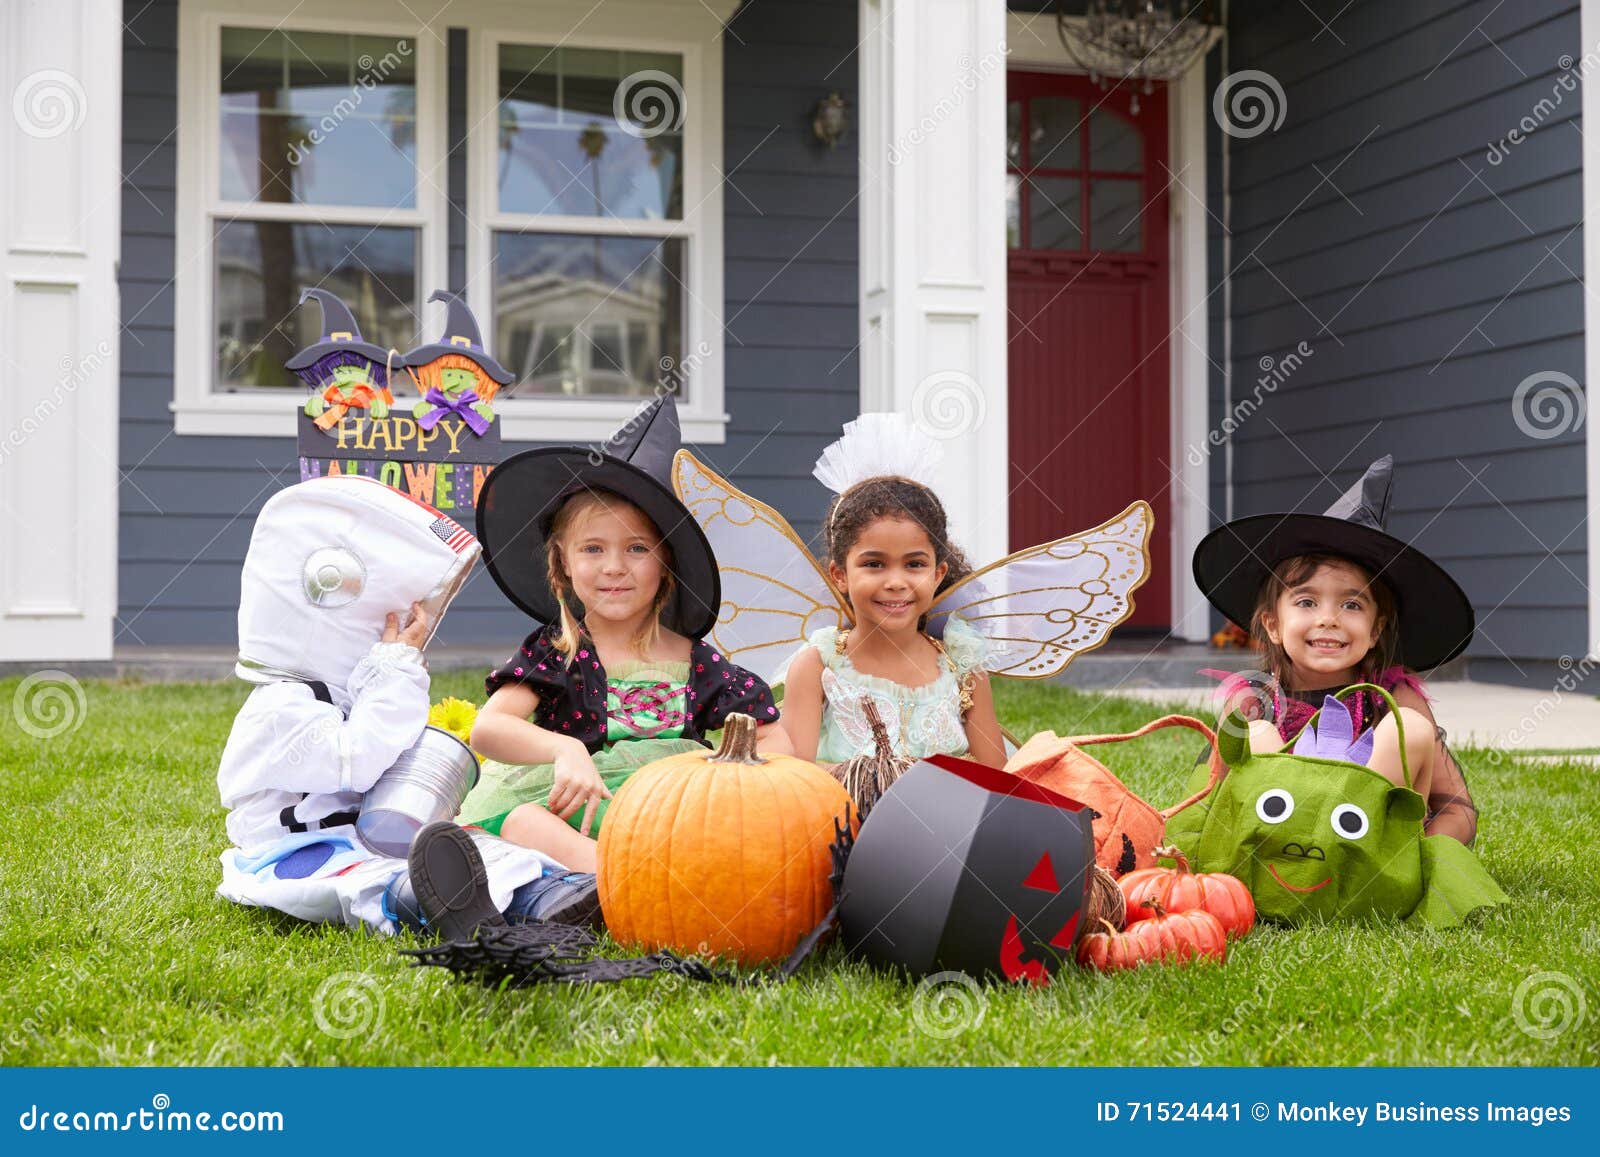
(60, 329)
(1033, 46)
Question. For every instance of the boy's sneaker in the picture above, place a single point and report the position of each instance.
(564, 898)
(452, 888)
(451, 883)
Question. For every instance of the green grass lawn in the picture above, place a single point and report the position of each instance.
(115, 950)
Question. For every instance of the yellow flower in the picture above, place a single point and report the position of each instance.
(455, 716)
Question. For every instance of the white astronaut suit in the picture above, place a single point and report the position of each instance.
(334, 707)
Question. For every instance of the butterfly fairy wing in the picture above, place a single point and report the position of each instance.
(774, 595)
(1040, 608)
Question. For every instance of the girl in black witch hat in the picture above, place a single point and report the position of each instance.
(1332, 600)
(595, 545)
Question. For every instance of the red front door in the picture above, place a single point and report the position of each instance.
(1088, 290)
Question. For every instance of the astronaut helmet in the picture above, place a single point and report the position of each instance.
(329, 559)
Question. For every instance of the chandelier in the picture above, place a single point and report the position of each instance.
(1139, 41)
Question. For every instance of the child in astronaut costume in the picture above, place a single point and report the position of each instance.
(337, 700)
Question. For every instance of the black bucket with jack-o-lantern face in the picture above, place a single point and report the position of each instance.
(964, 868)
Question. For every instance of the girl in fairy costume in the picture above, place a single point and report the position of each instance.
(894, 618)
(889, 556)
(596, 546)
(350, 372)
(1331, 601)
(456, 375)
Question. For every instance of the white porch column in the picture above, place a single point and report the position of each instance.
(933, 242)
(60, 213)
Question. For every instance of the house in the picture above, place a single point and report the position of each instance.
(1346, 229)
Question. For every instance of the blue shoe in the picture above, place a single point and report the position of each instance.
(559, 898)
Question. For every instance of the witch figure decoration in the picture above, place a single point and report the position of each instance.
(593, 544)
(894, 618)
(456, 375)
(350, 372)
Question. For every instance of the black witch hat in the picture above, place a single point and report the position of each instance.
(1436, 619)
(461, 336)
(340, 334)
(520, 497)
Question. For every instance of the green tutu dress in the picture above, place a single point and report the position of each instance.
(646, 712)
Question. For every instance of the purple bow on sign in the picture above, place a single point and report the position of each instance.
(461, 407)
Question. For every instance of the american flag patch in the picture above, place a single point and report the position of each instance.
(452, 534)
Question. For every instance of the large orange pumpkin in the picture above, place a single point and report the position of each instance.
(1180, 890)
(722, 854)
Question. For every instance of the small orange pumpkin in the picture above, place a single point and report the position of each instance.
(723, 853)
(1181, 890)
(1175, 937)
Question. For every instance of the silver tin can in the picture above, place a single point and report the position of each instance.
(426, 784)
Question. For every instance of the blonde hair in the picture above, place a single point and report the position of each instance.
(428, 377)
(1290, 573)
(569, 628)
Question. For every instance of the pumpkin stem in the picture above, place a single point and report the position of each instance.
(738, 741)
(1155, 906)
(1110, 927)
(1171, 852)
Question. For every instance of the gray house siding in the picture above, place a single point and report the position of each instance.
(187, 504)
(1428, 281)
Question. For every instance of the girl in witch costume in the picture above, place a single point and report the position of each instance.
(897, 620)
(1332, 600)
(595, 546)
(339, 692)
(455, 375)
(350, 372)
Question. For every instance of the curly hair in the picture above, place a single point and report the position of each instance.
(570, 628)
(892, 496)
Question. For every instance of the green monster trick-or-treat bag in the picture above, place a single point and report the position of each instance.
(1317, 835)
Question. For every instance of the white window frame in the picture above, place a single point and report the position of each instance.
(692, 32)
(197, 408)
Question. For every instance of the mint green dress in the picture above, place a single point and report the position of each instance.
(646, 706)
(921, 721)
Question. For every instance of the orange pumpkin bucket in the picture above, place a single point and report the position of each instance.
(1127, 830)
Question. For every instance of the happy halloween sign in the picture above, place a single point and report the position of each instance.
(444, 464)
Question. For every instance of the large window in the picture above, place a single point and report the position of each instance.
(304, 152)
(313, 152)
(601, 219)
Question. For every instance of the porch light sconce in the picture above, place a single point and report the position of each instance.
(830, 119)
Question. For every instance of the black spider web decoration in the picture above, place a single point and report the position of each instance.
(535, 952)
